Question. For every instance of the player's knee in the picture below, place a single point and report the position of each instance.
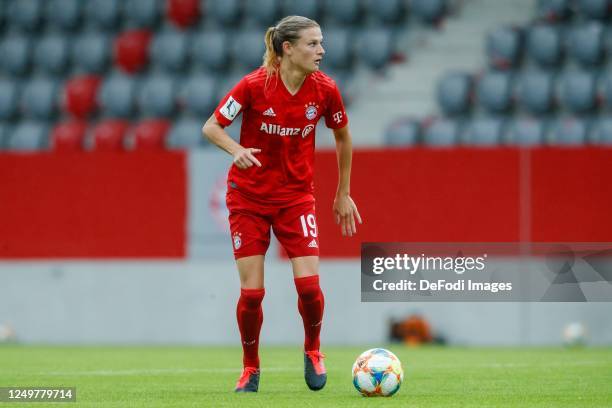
(252, 298)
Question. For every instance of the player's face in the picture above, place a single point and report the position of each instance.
(307, 52)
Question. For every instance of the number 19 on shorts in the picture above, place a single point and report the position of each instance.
(309, 225)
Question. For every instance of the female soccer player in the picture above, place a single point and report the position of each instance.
(270, 183)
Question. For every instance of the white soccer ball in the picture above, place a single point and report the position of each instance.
(377, 372)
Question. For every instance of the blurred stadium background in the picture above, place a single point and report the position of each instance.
(473, 121)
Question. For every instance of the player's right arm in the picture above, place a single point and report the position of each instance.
(244, 157)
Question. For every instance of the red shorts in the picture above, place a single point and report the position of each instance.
(294, 226)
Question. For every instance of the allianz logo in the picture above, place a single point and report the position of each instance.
(279, 130)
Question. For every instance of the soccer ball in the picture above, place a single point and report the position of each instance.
(377, 372)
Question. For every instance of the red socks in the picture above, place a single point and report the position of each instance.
(310, 305)
(250, 318)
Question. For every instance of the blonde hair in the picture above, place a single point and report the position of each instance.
(288, 29)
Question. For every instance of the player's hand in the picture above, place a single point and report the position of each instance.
(346, 212)
(245, 158)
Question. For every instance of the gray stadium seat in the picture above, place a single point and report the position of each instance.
(156, 97)
(225, 13)
(579, 92)
(64, 14)
(169, 50)
(568, 131)
(495, 92)
(25, 15)
(536, 92)
(553, 10)
(51, 54)
(607, 89)
(248, 48)
(210, 50)
(117, 96)
(226, 84)
(595, 9)
(526, 132)
(186, 134)
(199, 95)
(601, 132)
(504, 47)
(16, 55)
(143, 13)
(429, 11)
(545, 45)
(441, 133)
(343, 11)
(40, 98)
(103, 14)
(306, 8)
(386, 11)
(403, 132)
(91, 52)
(483, 132)
(264, 12)
(9, 99)
(586, 44)
(28, 136)
(377, 45)
(454, 93)
(5, 129)
(338, 49)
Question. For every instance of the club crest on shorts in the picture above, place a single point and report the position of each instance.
(311, 110)
(237, 240)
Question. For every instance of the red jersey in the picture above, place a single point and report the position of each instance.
(283, 127)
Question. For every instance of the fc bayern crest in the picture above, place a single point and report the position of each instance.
(311, 111)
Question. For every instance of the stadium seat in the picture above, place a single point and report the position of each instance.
(344, 12)
(579, 92)
(131, 50)
(64, 14)
(535, 92)
(80, 95)
(109, 135)
(568, 131)
(454, 93)
(403, 132)
(545, 45)
(90, 53)
(51, 54)
(504, 47)
(143, 13)
(9, 99)
(601, 131)
(199, 95)
(225, 13)
(429, 11)
(5, 130)
(495, 92)
(68, 136)
(595, 9)
(117, 97)
(607, 90)
(186, 134)
(441, 133)
(25, 15)
(40, 98)
(16, 55)
(156, 97)
(306, 8)
(248, 48)
(377, 45)
(103, 14)
(28, 136)
(169, 51)
(263, 12)
(151, 134)
(386, 11)
(338, 47)
(210, 50)
(484, 132)
(586, 44)
(526, 132)
(553, 10)
(183, 13)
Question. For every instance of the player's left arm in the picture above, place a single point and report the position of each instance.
(345, 209)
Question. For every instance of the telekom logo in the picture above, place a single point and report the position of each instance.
(338, 117)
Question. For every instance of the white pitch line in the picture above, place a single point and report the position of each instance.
(161, 371)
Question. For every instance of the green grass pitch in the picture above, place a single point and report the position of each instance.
(205, 376)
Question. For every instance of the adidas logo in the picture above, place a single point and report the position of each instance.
(313, 244)
(269, 112)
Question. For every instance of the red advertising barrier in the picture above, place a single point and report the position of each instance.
(95, 205)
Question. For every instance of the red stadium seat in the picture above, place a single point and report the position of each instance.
(68, 136)
(110, 134)
(131, 50)
(183, 13)
(80, 95)
(151, 134)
